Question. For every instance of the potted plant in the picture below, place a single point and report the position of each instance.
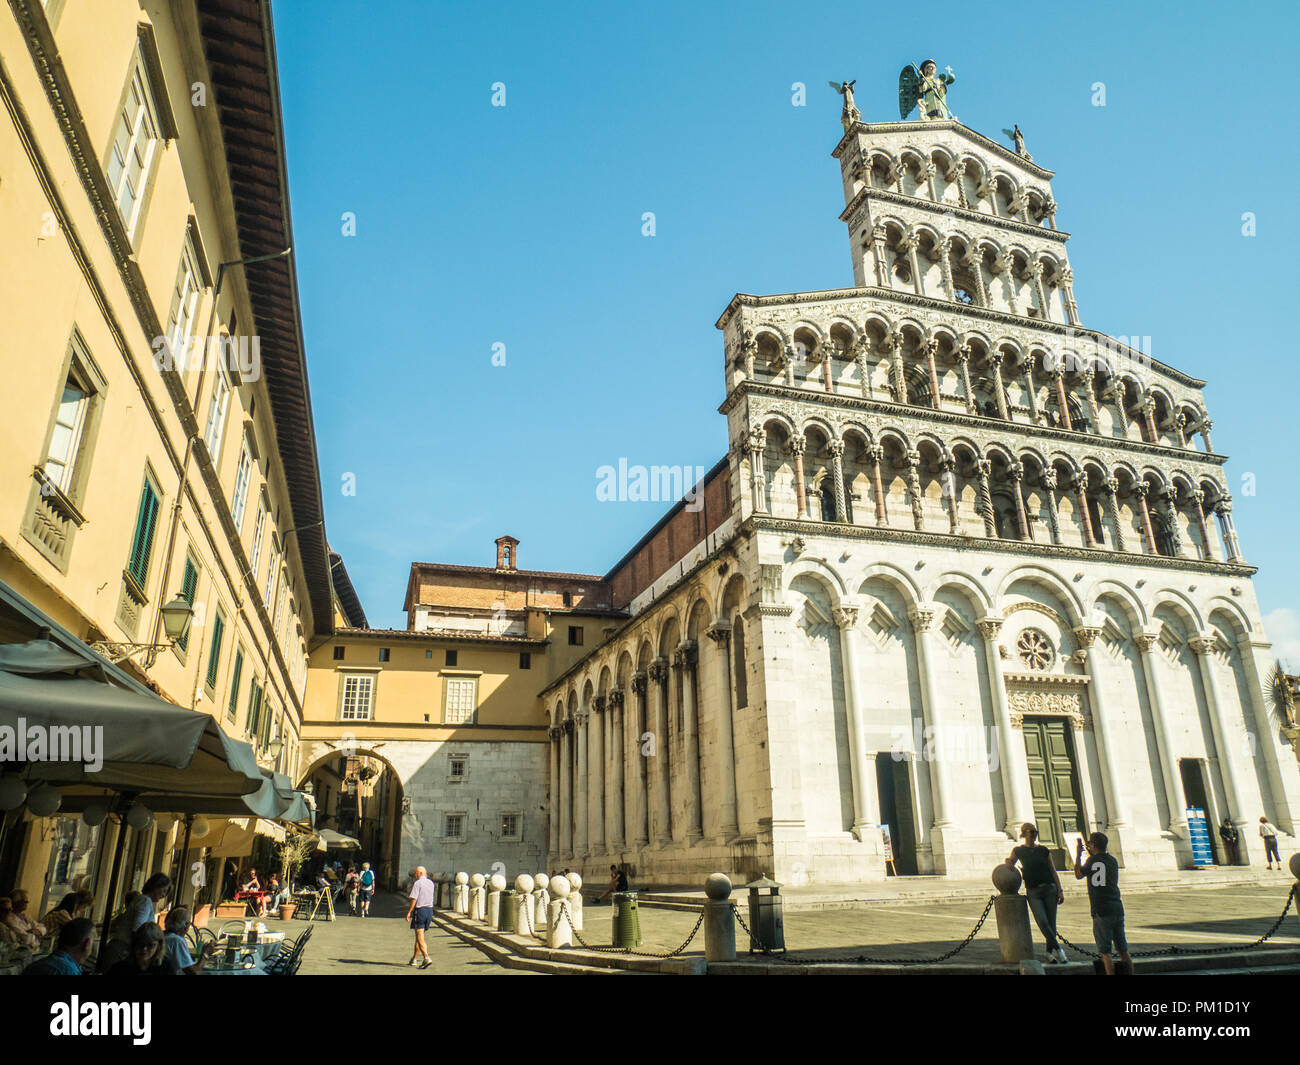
(293, 852)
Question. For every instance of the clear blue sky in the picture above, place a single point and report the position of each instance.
(521, 225)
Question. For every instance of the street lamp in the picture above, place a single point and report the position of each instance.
(176, 617)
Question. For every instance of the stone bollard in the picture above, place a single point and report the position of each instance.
(541, 900)
(575, 900)
(559, 933)
(498, 885)
(477, 901)
(444, 892)
(461, 894)
(523, 904)
(1012, 912)
(719, 920)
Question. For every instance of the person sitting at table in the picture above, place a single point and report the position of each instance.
(253, 890)
(276, 893)
(140, 911)
(146, 957)
(176, 949)
(74, 904)
(9, 933)
(75, 942)
(19, 920)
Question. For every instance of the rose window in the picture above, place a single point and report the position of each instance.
(1035, 650)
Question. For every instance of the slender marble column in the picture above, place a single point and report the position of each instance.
(931, 347)
(1198, 512)
(1015, 767)
(798, 446)
(596, 767)
(828, 368)
(949, 490)
(1085, 519)
(1061, 402)
(1053, 518)
(1111, 487)
(1017, 472)
(876, 455)
(566, 787)
(1116, 805)
(984, 467)
(663, 829)
(836, 448)
(1146, 641)
(754, 444)
(1031, 392)
(1090, 397)
(866, 815)
(685, 659)
(556, 810)
(861, 352)
(921, 619)
(963, 363)
(617, 760)
(582, 785)
(999, 391)
(640, 792)
(721, 637)
(1148, 534)
(1169, 510)
(1223, 508)
(1149, 419)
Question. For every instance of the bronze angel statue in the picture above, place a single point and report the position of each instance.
(927, 89)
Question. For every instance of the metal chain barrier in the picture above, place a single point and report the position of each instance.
(866, 958)
(568, 913)
(1230, 948)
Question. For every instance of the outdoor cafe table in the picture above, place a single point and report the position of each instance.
(267, 944)
(217, 966)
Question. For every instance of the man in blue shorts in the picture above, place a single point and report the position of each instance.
(366, 891)
(1102, 873)
(420, 913)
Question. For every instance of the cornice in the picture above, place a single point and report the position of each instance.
(1001, 151)
(765, 523)
(965, 421)
(868, 193)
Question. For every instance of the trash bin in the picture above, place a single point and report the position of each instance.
(627, 922)
(506, 911)
(766, 914)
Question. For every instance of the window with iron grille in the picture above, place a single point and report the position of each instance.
(454, 826)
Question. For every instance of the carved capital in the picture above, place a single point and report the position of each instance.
(798, 446)
(1146, 641)
(686, 654)
(719, 634)
(616, 699)
(1110, 485)
(1202, 645)
(639, 679)
(845, 616)
(1141, 489)
(598, 704)
(875, 453)
(659, 670)
(756, 441)
(836, 448)
(989, 628)
(984, 467)
(921, 618)
(1087, 635)
(1049, 479)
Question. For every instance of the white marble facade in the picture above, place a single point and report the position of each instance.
(957, 515)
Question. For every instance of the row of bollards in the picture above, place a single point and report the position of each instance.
(536, 903)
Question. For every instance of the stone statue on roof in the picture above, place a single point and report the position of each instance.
(850, 114)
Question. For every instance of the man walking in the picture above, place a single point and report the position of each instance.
(1102, 873)
(367, 888)
(420, 913)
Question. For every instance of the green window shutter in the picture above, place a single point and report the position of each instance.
(254, 707)
(146, 521)
(189, 586)
(234, 684)
(214, 653)
(265, 737)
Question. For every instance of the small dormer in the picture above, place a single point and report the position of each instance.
(507, 552)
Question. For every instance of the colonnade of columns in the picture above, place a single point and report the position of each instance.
(616, 785)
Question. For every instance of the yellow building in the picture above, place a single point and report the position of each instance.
(144, 202)
(449, 706)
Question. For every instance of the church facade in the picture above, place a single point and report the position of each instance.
(967, 563)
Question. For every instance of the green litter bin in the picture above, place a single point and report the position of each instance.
(627, 923)
(506, 915)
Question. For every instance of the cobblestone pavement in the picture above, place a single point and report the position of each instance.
(1205, 918)
(382, 944)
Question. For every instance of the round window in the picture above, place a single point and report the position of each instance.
(1035, 650)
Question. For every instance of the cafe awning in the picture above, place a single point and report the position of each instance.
(331, 840)
(76, 729)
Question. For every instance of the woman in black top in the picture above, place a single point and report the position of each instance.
(147, 957)
(1042, 887)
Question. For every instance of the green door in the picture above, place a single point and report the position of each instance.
(1053, 783)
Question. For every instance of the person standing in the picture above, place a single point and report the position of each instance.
(420, 913)
(1102, 874)
(1228, 833)
(1269, 835)
(366, 888)
(1042, 887)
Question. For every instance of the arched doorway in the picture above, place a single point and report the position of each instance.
(359, 794)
